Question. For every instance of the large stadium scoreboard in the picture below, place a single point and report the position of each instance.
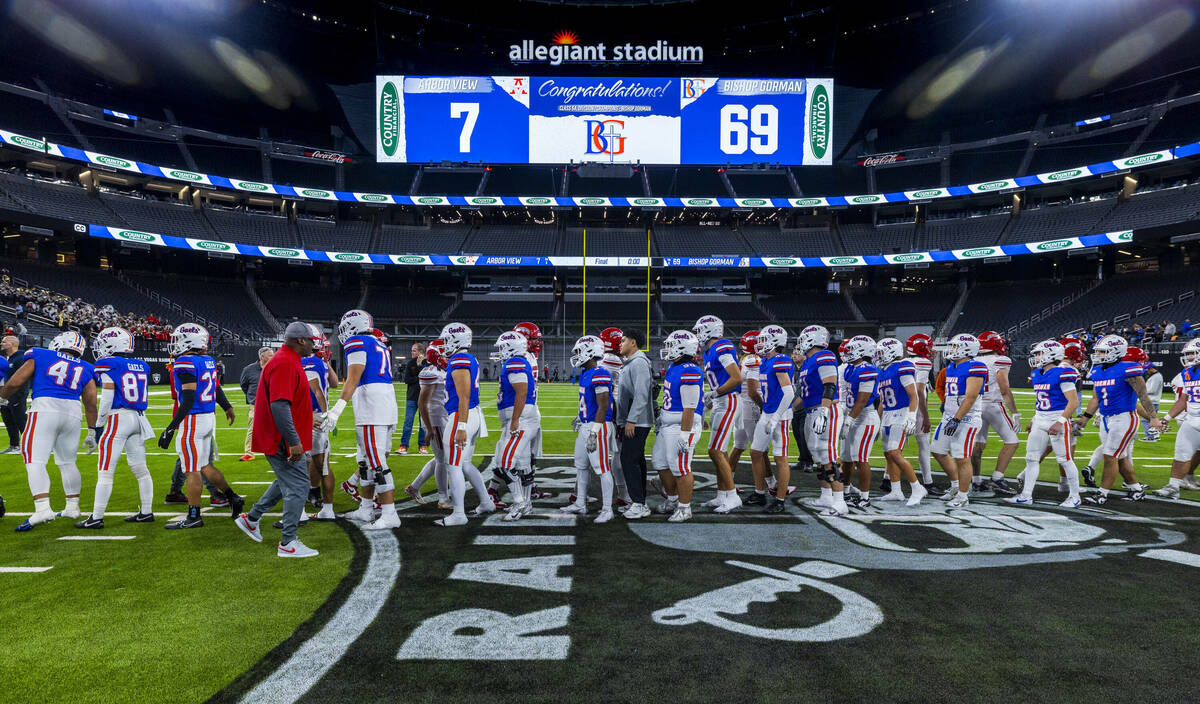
(531, 119)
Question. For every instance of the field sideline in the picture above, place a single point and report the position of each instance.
(175, 617)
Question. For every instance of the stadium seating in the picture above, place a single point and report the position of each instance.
(885, 239)
(229, 304)
(150, 215)
(531, 240)
(930, 305)
(308, 303)
(804, 242)
(98, 287)
(63, 200)
(252, 228)
(409, 239)
(1063, 220)
(687, 309)
(963, 233)
(609, 310)
(605, 242)
(695, 241)
(498, 307)
(340, 236)
(402, 305)
(980, 311)
(792, 310)
(1153, 207)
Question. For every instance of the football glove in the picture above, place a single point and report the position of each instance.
(89, 440)
(1016, 422)
(709, 396)
(910, 422)
(164, 440)
(3, 402)
(820, 420)
(1152, 433)
(593, 438)
(576, 424)
(951, 425)
(331, 416)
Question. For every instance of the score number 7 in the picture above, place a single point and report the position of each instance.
(471, 112)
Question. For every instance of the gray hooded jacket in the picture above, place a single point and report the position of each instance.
(635, 402)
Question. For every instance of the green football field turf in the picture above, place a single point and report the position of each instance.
(183, 616)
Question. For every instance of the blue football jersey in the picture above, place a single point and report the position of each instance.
(676, 377)
(857, 376)
(811, 386)
(203, 369)
(378, 366)
(316, 365)
(714, 371)
(957, 375)
(5, 368)
(507, 396)
(131, 377)
(771, 389)
(1047, 387)
(58, 375)
(891, 389)
(590, 382)
(1112, 386)
(458, 362)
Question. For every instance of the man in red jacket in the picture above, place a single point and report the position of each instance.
(282, 431)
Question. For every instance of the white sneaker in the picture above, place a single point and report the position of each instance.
(383, 523)
(1189, 482)
(41, 517)
(454, 519)
(250, 529)
(667, 507)
(295, 549)
(414, 493)
(637, 511)
(445, 503)
(714, 502)
(482, 510)
(1167, 492)
(839, 508)
(365, 513)
(580, 509)
(919, 492)
(732, 503)
(1071, 502)
(70, 513)
(951, 493)
(518, 511)
(605, 516)
(681, 514)
(325, 514)
(958, 501)
(819, 502)
(894, 495)
(1020, 500)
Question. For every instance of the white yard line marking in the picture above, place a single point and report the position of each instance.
(524, 540)
(254, 483)
(1180, 557)
(24, 569)
(324, 649)
(97, 537)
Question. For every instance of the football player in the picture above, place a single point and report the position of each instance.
(862, 420)
(124, 391)
(464, 424)
(966, 379)
(1056, 401)
(822, 417)
(516, 405)
(199, 390)
(368, 384)
(775, 381)
(431, 404)
(898, 401)
(724, 379)
(919, 349)
(533, 334)
(613, 361)
(749, 401)
(1154, 387)
(1119, 393)
(321, 378)
(593, 444)
(1187, 409)
(679, 431)
(60, 382)
(998, 409)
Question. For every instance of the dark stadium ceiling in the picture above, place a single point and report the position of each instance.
(937, 63)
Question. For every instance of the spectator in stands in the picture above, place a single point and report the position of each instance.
(14, 412)
(1186, 329)
(1169, 330)
(248, 380)
(412, 368)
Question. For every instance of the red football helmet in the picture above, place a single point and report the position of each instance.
(611, 337)
(842, 350)
(379, 335)
(992, 342)
(1136, 354)
(1073, 350)
(435, 352)
(919, 345)
(532, 333)
(749, 340)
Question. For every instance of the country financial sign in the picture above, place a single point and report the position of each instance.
(533, 119)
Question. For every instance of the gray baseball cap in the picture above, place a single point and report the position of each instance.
(300, 330)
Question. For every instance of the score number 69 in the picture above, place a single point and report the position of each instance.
(756, 129)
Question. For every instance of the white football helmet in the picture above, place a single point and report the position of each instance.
(1110, 348)
(586, 348)
(681, 343)
(318, 336)
(355, 322)
(888, 350)
(962, 346)
(456, 337)
(1190, 356)
(511, 344)
(187, 337)
(812, 336)
(707, 328)
(770, 338)
(69, 340)
(1046, 352)
(858, 347)
(112, 341)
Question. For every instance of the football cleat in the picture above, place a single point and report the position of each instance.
(424, 449)
(667, 507)
(958, 502)
(518, 511)
(1096, 499)
(1089, 476)
(755, 499)
(894, 495)
(935, 489)
(1001, 486)
(218, 501)
(484, 509)
(950, 494)
(1189, 482)
(91, 523)
(351, 490)
(575, 508)
(834, 511)
(295, 549)
(498, 504)
(325, 514)
(732, 503)
(819, 502)
(1020, 500)
(246, 457)
(681, 514)
(70, 513)
(1071, 502)
(175, 499)
(982, 490)
(454, 519)
(605, 516)
(383, 523)
(637, 511)
(184, 523)
(713, 502)
(414, 494)
(1137, 492)
(1167, 492)
(445, 503)
(250, 529)
(885, 485)
(861, 501)
(572, 499)
(536, 494)
(918, 493)
(365, 513)
(314, 496)
(236, 504)
(775, 506)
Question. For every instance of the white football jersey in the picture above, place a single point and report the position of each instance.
(924, 368)
(749, 371)
(843, 385)
(533, 364)
(432, 376)
(994, 362)
(612, 362)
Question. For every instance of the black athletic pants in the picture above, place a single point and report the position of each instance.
(633, 462)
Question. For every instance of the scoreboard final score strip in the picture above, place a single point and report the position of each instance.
(532, 119)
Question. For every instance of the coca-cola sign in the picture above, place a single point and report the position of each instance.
(329, 156)
(879, 159)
